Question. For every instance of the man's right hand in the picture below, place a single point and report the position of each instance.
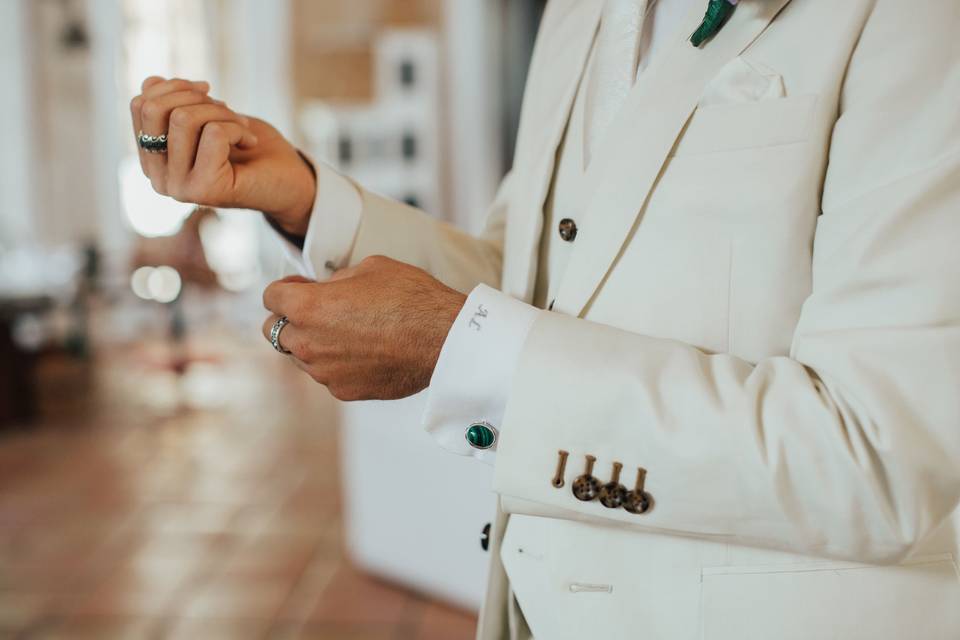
(219, 158)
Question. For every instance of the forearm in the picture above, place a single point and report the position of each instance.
(401, 232)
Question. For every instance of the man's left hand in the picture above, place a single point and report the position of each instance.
(371, 332)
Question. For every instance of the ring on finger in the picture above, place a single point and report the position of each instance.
(152, 144)
(275, 334)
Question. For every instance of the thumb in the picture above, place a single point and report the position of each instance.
(295, 279)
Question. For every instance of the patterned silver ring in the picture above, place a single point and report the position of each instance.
(275, 334)
(152, 144)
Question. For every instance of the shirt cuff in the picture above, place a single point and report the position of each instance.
(474, 374)
(333, 226)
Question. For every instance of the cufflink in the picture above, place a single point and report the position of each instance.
(480, 435)
(613, 493)
(638, 501)
(586, 487)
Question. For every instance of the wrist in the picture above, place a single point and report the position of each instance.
(448, 311)
(294, 220)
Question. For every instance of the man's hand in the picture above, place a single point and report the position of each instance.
(371, 332)
(219, 158)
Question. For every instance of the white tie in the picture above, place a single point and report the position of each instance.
(614, 67)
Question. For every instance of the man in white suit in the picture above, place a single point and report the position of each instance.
(728, 273)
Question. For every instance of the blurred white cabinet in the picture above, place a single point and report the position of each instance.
(414, 513)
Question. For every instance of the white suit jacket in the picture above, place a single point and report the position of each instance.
(762, 309)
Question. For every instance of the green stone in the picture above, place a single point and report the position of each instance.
(481, 436)
(718, 11)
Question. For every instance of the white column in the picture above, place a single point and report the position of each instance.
(258, 72)
(16, 155)
(109, 121)
(257, 79)
(474, 141)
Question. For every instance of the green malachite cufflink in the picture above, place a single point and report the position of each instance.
(718, 11)
(481, 435)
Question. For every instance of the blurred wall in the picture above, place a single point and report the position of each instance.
(332, 43)
(15, 153)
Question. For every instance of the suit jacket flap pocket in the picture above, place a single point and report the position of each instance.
(917, 599)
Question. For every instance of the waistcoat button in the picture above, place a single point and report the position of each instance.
(567, 229)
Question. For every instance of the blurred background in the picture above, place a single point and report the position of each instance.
(163, 473)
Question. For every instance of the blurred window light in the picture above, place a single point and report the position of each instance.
(167, 38)
(230, 247)
(35, 270)
(139, 282)
(149, 213)
(164, 284)
(29, 332)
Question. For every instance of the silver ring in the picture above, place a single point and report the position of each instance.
(152, 144)
(275, 334)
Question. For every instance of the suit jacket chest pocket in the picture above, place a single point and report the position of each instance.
(747, 125)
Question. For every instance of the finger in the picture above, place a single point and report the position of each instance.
(294, 279)
(155, 120)
(136, 105)
(267, 327)
(149, 81)
(287, 298)
(216, 141)
(277, 297)
(155, 112)
(154, 86)
(183, 135)
(175, 84)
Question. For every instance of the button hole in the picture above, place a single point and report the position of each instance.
(584, 587)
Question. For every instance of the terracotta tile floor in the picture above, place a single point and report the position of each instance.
(206, 505)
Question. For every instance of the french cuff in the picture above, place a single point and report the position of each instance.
(474, 374)
(333, 226)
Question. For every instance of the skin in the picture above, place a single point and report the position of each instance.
(372, 331)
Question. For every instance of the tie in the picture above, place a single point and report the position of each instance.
(614, 66)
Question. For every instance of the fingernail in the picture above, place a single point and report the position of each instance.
(254, 139)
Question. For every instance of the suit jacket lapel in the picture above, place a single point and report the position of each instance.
(544, 117)
(631, 154)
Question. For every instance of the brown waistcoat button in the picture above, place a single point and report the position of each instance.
(567, 229)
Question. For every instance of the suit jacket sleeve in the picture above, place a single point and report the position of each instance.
(381, 226)
(849, 447)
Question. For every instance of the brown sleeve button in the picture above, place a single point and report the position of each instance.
(638, 501)
(586, 487)
(568, 230)
(613, 493)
